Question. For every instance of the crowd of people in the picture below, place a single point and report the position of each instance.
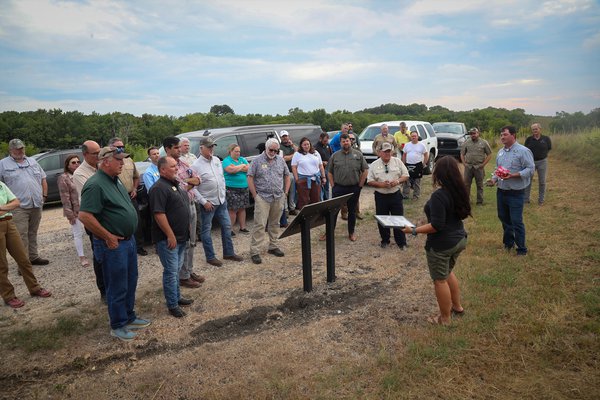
(187, 192)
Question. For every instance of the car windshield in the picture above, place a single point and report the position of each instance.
(371, 131)
(455, 129)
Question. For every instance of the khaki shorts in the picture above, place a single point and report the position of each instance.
(442, 262)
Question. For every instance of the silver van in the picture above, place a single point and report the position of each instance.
(249, 138)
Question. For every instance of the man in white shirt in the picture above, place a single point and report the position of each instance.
(213, 202)
(415, 156)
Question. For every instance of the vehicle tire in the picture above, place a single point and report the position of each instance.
(430, 164)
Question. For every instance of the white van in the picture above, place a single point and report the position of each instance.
(426, 136)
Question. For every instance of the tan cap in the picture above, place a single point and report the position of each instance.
(115, 152)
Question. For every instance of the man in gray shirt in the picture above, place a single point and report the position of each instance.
(269, 184)
(518, 161)
(27, 180)
(213, 202)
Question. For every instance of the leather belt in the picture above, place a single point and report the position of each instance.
(7, 218)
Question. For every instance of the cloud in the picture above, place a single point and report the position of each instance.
(591, 42)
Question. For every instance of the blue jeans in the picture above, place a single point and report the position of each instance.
(510, 212)
(220, 212)
(171, 260)
(325, 189)
(120, 269)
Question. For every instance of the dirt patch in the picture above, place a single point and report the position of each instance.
(244, 317)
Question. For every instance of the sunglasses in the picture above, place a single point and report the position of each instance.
(387, 170)
(273, 150)
(74, 162)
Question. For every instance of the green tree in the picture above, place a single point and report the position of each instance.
(222, 109)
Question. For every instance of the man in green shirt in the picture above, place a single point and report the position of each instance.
(107, 212)
(475, 153)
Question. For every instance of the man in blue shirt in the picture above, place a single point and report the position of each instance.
(510, 196)
(334, 143)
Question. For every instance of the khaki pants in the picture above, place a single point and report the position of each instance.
(265, 215)
(11, 241)
(27, 222)
(477, 173)
(188, 260)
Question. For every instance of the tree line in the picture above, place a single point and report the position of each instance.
(47, 129)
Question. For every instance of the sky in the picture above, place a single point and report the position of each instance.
(175, 58)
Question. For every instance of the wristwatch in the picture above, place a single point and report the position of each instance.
(414, 231)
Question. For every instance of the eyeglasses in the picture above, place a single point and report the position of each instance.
(387, 170)
(74, 162)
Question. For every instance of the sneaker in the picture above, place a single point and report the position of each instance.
(244, 230)
(40, 261)
(177, 312)
(185, 302)
(216, 262)
(138, 323)
(233, 257)
(123, 334)
(256, 259)
(276, 252)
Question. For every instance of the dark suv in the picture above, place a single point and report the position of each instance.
(53, 163)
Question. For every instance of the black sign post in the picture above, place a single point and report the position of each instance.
(311, 216)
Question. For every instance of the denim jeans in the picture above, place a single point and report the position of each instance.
(120, 270)
(171, 260)
(220, 212)
(510, 212)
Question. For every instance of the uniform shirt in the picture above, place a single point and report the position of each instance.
(394, 171)
(6, 196)
(24, 180)
(106, 198)
(517, 158)
(287, 150)
(239, 179)
(380, 139)
(150, 176)
(128, 174)
(324, 151)
(539, 147)
(475, 151)
(169, 198)
(415, 153)
(346, 168)
(268, 176)
(213, 182)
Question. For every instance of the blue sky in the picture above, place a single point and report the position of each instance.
(268, 56)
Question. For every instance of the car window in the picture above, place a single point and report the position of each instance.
(430, 130)
(222, 145)
(195, 147)
(250, 143)
(50, 162)
(369, 133)
(422, 133)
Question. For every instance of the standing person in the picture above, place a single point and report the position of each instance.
(335, 142)
(539, 145)
(384, 137)
(130, 178)
(70, 201)
(169, 205)
(415, 156)
(322, 146)
(288, 148)
(27, 180)
(510, 196)
(152, 174)
(446, 236)
(386, 175)
(236, 186)
(269, 183)
(475, 153)
(186, 155)
(344, 210)
(188, 180)
(308, 172)
(402, 137)
(347, 173)
(214, 203)
(11, 241)
(356, 142)
(106, 210)
(85, 171)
